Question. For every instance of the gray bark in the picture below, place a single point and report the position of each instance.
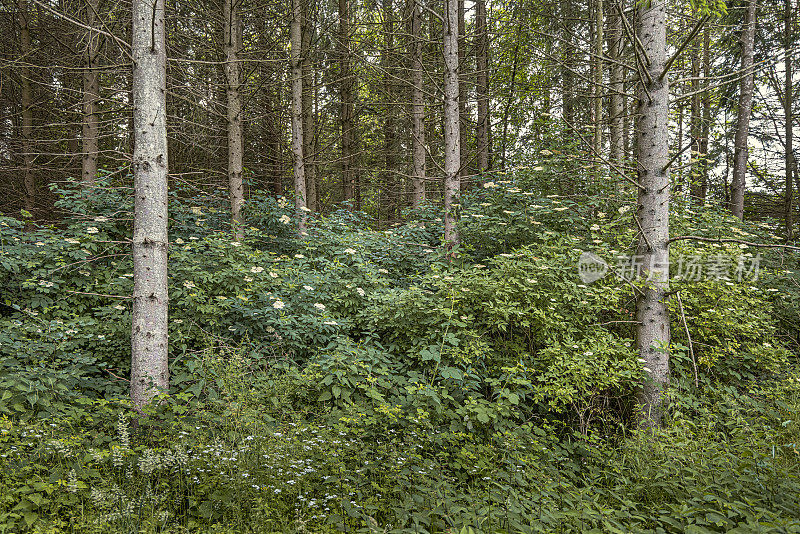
(787, 109)
(741, 151)
(28, 177)
(417, 107)
(91, 95)
(653, 329)
(296, 37)
(347, 109)
(309, 117)
(452, 145)
(233, 43)
(597, 60)
(482, 86)
(616, 107)
(149, 364)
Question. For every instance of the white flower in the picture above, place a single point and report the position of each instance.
(256, 269)
(623, 209)
(247, 279)
(72, 240)
(278, 305)
(273, 275)
(360, 291)
(319, 306)
(285, 219)
(235, 244)
(92, 230)
(546, 153)
(188, 284)
(220, 297)
(490, 185)
(180, 241)
(349, 251)
(383, 271)
(299, 256)
(303, 208)
(197, 210)
(538, 168)
(331, 323)
(595, 227)
(308, 288)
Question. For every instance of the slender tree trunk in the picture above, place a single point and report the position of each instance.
(28, 176)
(347, 109)
(417, 106)
(296, 37)
(149, 363)
(616, 107)
(232, 36)
(787, 108)
(309, 117)
(705, 128)
(653, 329)
(452, 145)
(482, 86)
(462, 98)
(597, 57)
(743, 114)
(91, 95)
(389, 134)
(695, 127)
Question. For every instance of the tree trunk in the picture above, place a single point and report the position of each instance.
(28, 176)
(787, 107)
(653, 329)
(417, 106)
(309, 117)
(597, 57)
(389, 134)
(452, 148)
(296, 37)
(695, 127)
(149, 356)
(616, 108)
(462, 99)
(482, 86)
(91, 95)
(347, 109)
(743, 114)
(232, 35)
(705, 127)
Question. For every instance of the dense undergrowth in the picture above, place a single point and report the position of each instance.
(365, 380)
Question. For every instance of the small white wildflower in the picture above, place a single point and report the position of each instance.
(72, 241)
(256, 269)
(360, 291)
(331, 323)
(299, 256)
(92, 230)
(383, 271)
(308, 288)
(278, 305)
(188, 284)
(319, 306)
(595, 227)
(304, 208)
(349, 251)
(285, 219)
(273, 274)
(235, 244)
(180, 241)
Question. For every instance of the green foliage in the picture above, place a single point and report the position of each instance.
(362, 380)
